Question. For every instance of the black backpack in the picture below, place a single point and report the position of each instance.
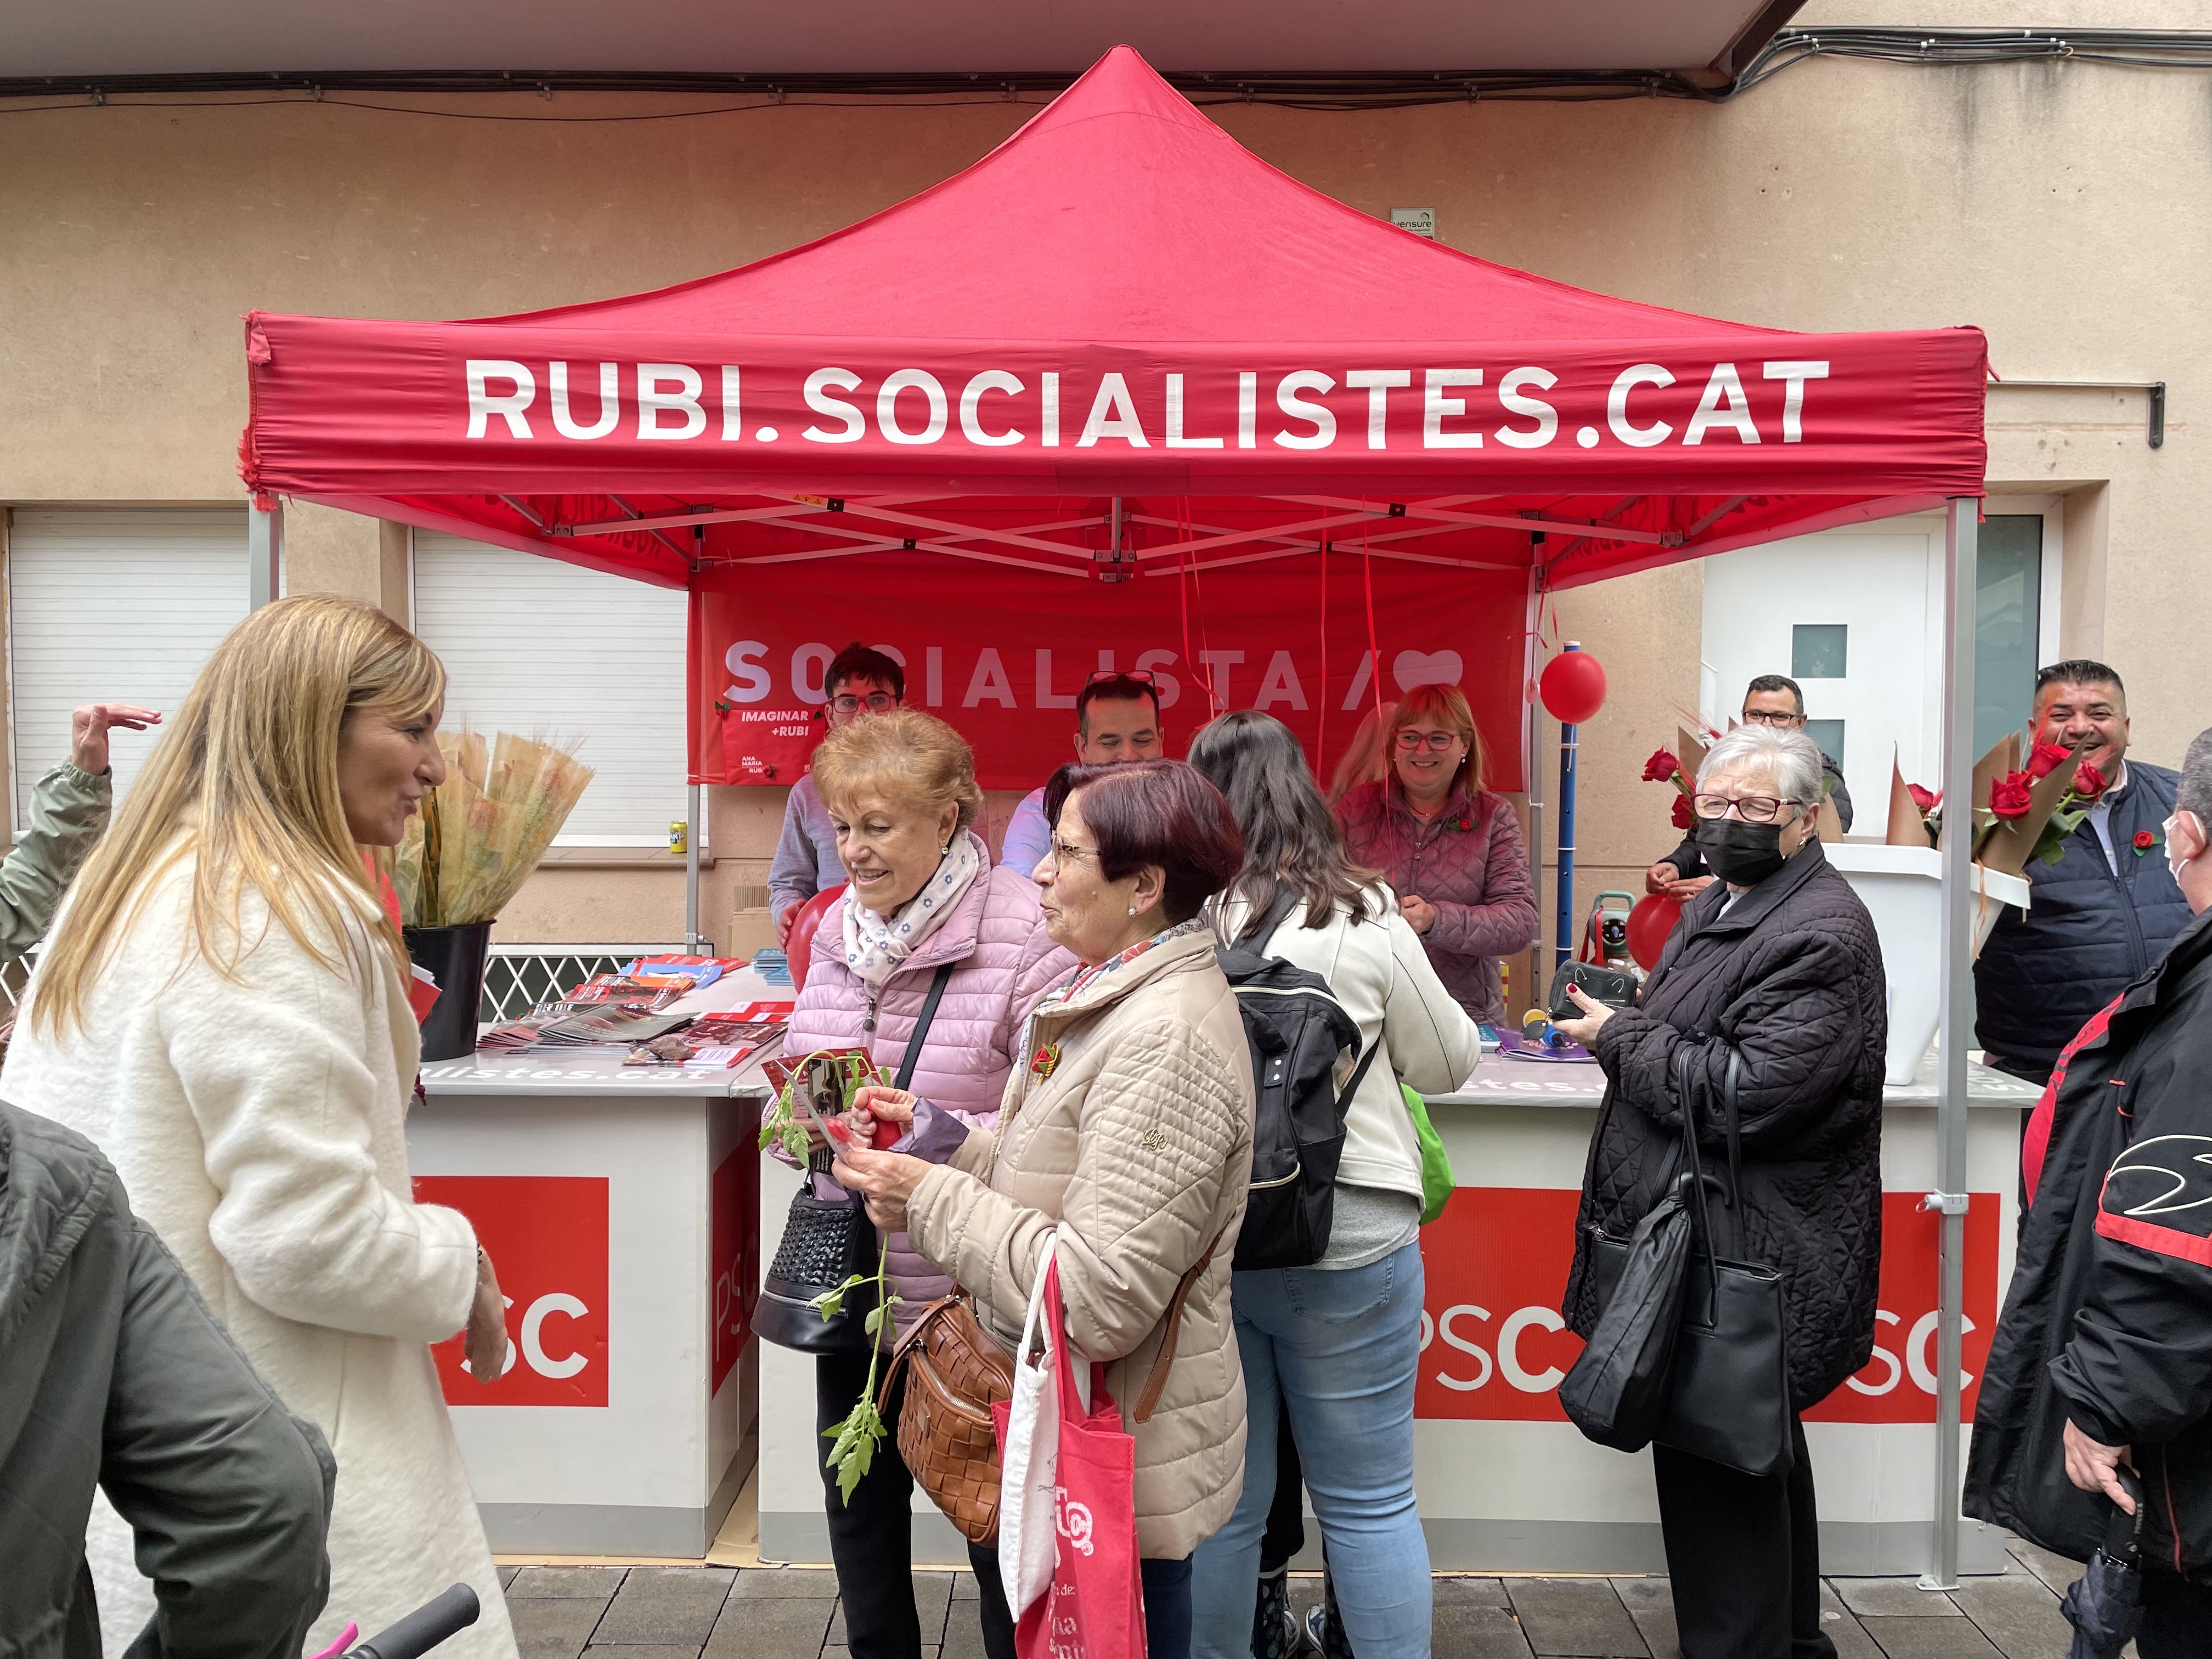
(1298, 1033)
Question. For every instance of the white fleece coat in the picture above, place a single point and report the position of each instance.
(259, 1128)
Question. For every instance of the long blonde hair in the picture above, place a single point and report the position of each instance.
(246, 777)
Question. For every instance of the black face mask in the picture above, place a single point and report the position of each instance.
(1741, 854)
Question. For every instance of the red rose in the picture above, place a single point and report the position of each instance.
(1923, 800)
(2145, 841)
(2009, 796)
(2047, 758)
(2088, 781)
(1686, 815)
(1660, 767)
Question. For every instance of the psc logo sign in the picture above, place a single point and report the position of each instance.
(1494, 1348)
(547, 1236)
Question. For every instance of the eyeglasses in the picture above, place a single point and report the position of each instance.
(1410, 740)
(1769, 717)
(1753, 808)
(1107, 676)
(1068, 852)
(875, 703)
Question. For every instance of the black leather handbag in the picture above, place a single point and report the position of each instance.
(826, 1241)
(1616, 1391)
(1727, 1393)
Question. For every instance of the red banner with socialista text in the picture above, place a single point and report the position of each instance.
(1002, 652)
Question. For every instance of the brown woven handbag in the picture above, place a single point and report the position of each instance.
(955, 1372)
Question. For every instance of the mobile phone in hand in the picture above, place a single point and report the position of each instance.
(820, 1096)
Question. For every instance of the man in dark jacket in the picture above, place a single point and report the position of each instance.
(1777, 702)
(2101, 915)
(113, 1372)
(1776, 967)
(2103, 1353)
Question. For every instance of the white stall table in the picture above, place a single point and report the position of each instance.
(619, 1205)
(1506, 1483)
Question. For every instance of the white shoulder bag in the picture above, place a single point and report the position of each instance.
(1029, 1459)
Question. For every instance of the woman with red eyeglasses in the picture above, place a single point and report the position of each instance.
(1452, 852)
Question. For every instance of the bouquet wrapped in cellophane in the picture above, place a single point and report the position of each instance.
(482, 832)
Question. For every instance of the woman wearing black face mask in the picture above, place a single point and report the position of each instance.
(1775, 967)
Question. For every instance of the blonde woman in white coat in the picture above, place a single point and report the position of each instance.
(222, 1009)
(1334, 1345)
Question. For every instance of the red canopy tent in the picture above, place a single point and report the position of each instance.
(1121, 347)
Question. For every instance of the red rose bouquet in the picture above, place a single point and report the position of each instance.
(1664, 766)
(2028, 812)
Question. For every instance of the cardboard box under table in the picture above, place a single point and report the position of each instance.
(1506, 1483)
(619, 1205)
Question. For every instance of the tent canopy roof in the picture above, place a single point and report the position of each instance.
(1119, 333)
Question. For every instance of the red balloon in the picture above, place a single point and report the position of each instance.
(1573, 685)
(800, 948)
(1650, 924)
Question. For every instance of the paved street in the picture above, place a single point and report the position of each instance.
(720, 1612)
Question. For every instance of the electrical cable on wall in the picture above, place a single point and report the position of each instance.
(1321, 91)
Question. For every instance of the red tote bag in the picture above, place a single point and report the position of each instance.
(1096, 1606)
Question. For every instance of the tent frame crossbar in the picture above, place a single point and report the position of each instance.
(1435, 516)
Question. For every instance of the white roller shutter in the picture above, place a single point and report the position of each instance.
(534, 646)
(112, 606)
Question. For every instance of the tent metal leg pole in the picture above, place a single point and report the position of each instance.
(264, 551)
(693, 939)
(1532, 729)
(1954, 1035)
(1563, 946)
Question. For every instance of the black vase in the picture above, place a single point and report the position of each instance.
(455, 957)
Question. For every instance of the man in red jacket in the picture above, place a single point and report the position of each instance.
(2104, 1354)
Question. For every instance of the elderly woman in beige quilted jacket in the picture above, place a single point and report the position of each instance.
(1129, 1129)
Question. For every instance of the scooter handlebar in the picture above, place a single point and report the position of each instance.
(424, 1628)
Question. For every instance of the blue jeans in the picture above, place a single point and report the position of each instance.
(1338, 1352)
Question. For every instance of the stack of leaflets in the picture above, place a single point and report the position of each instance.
(714, 1041)
(652, 992)
(572, 1026)
(775, 1013)
(701, 971)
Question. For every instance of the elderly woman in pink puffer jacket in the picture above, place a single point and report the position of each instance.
(922, 893)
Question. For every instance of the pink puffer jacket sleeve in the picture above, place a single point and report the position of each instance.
(1503, 921)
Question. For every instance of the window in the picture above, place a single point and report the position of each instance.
(2007, 623)
(112, 606)
(1820, 651)
(539, 648)
(1829, 734)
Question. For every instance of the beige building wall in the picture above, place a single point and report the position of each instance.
(2061, 207)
